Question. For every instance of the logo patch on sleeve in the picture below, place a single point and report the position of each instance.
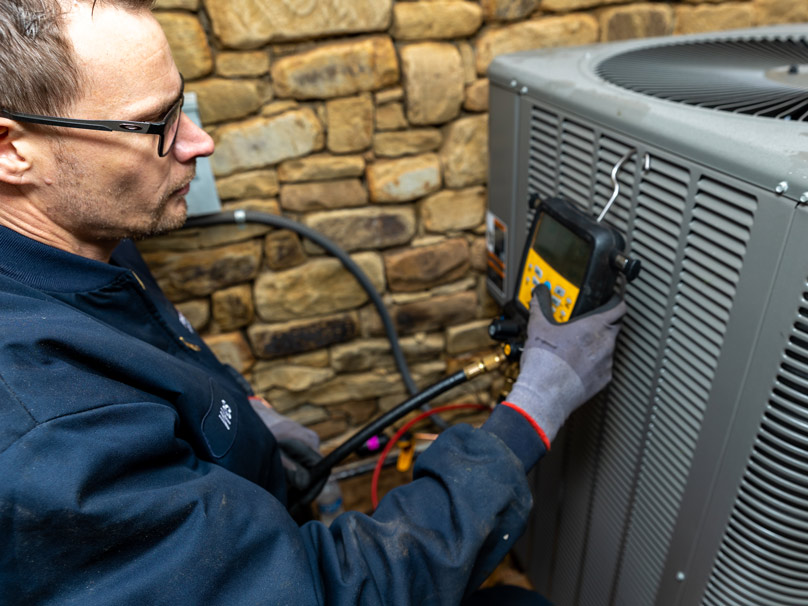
(220, 423)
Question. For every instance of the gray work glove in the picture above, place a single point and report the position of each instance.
(300, 446)
(564, 365)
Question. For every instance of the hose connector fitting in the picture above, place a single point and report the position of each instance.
(486, 364)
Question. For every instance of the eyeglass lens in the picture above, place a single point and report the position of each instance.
(170, 134)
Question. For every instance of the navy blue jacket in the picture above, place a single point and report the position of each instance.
(134, 471)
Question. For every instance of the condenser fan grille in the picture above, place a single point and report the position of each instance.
(759, 77)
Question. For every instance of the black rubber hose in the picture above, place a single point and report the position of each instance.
(349, 446)
(250, 216)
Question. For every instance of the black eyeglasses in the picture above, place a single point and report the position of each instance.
(166, 128)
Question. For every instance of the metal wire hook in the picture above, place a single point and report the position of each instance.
(615, 184)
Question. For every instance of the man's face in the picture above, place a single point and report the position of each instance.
(107, 186)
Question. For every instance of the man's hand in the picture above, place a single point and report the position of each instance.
(563, 365)
(300, 447)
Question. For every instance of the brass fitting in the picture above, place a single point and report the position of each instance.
(486, 364)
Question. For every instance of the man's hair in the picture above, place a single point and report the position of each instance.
(39, 73)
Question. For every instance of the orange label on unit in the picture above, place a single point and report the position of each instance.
(563, 293)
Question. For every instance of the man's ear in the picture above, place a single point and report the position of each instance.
(15, 157)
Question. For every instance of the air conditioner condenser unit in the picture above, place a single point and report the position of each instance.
(686, 482)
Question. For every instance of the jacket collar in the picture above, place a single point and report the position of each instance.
(50, 269)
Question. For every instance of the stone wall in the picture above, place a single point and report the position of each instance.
(365, 120)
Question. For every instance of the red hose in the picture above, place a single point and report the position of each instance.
(374, 484)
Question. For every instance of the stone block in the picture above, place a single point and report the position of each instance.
(282, 250)
(194, 274)
(356, 412)
(549, 32)
(362, 228)
(321, 167)
(488, 306)
(260, 205)
(293, 377)
(407, 143)
(467, 57)
(221, 99)
(389, 95)
(416, 269)
(476, 99)
(361, 354)
(464, 155)
(508, 10)
(318, 359)
(232, 348)
(185, 5)
(708, 18)
(188, 42)
(454, 210)
(433, 82)
(233, 307)
(430, 372)
(261, 142)
(196, 311)
(466, 283)
(349, 123)
(322, 195)
(308, 415)
(771, 12)
(250, 184)
(246, 64)
(567, 6)
(337, 69)
(193, 239)
(641, 20)
(275, 340)
(478, 252)
(437, 20)
(403, 179)
(279, 107)
(391, 117)
(435, 313)
(320, 286)
(422, 345)
(468, 337)
(358, 386)
(253, 23)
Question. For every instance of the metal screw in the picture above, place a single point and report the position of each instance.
(782, 187)
(514, 84)
(523, 90)
(804, 197)
(680, 576)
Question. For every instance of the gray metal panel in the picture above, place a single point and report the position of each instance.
(750, 547)
(716, 232)
(736, 392)
(502, 177)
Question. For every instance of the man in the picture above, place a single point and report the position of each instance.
(134, 470)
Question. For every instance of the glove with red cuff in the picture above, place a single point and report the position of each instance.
(563, 365)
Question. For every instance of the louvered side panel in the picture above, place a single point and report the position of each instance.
(763, 558)
(577, 152)
(636, 363)
(718, 232)
(543, 156)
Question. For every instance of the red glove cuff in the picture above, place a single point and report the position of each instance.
(532, 422)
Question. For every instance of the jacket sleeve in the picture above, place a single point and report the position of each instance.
(108, 506)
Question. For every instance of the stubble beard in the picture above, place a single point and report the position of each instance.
(101, 216)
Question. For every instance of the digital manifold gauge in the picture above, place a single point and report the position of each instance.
(575, 256)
